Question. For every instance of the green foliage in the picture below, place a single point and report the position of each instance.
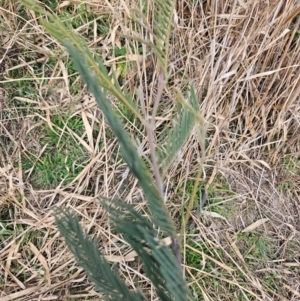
(88, 256)
(163, 12)
(217, 195)
(257, 249)
(122, 64)
(120, 51)
(6, 228)
(62, 159)
(129, 152)
(82, 17)
(23, 82)
(161, 264)
(62, 32)
(54, 168)
(22, 86)
(52, 4)
(291, 171)
(181, 131)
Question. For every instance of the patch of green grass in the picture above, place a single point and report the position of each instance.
(55, 167)
(291, 170)
(217, 193)
(52, 4)
(63, 158)
(78, 16)
(187, 190)
(270, 280)
(6, 226)
(120, 51)
(256, 248)
(216, 197)
(290, 163)
(32, 236)
(196, 260)
(124, 112)
(184, 194)
(23, 83)
(9, 230)
(194, 256)
(21, 87)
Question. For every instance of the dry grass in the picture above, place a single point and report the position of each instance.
(243, 59)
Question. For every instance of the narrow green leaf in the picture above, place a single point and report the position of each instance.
(159, 261)
(89, 257)
(160, 216)
(162, 23)
(182, 130)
